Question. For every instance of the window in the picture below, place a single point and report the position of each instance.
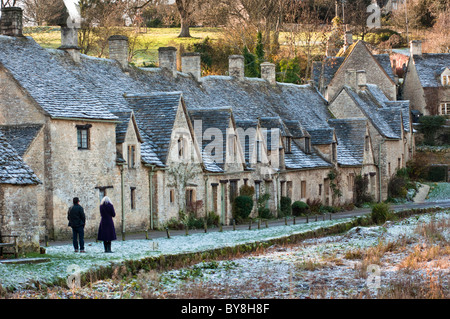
(333, 152)
(232, 147)
(350, 182)
(389, 168)
(445, 108)
(83, 136)
(288, 144)
(257, 189)
(180, 147)
(190, 198)
(303, 189)
(133, 197)
(258, 151)
(367, 143)
(172, 196)
(445, 80)
(233, 190)
(131, 156)
(307, 145)
(320, 189)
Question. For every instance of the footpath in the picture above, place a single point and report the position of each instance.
(153, 234)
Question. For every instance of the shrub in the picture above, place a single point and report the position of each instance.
(361, 194)
(285, 206)
(212, 219)
(314, 205)
(247, 190)
(438, 173)
(243, 206)
(263, 211)
(429, 126)
(380, 213)
(299, 208)
(397, 187)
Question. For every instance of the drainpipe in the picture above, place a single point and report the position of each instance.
(150, 183)
(122, 199)
(206, 196)
(379, 170)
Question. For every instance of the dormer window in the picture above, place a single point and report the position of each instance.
(307, 145)
(445, 80)
(131, 156)
(180, 147)
(288, 145)
(258, 151)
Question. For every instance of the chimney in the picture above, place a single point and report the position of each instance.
(416, 47)
(69, 42)
(361, 80)
(190, 63)
(168, 59)
(236, 66)
(268, 72)
(348, 39)
(11, 22)
(118, 49)
(351, 78)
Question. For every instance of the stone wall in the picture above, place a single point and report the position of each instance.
(19, 215)
(412, 90)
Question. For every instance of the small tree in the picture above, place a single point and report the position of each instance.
(361, 194)
(429, 126)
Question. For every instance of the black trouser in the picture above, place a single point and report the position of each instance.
(78, 236)
(107, 245)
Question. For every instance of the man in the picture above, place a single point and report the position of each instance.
(77, 220)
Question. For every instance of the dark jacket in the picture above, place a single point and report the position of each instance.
(106, 231)
(76, 216)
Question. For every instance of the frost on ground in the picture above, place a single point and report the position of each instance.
(401, 259)
(438, 192)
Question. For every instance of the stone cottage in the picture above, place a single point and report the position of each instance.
(159, 141)
(427, 81)
(328, 75)
(389, 124)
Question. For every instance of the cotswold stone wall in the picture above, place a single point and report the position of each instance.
(19, 215)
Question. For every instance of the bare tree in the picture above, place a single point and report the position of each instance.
(42, 12)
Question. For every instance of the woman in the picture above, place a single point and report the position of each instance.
(106, 231)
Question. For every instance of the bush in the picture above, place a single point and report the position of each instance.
(397, 187)
(429, 126)
(285, 206)
(247, 190)
(299, 208)
(380, 213)
(438, 173)
(314, 205)
(264, 213)
(361, 194)
(243, 206)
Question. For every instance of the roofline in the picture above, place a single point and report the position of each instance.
(85, 120)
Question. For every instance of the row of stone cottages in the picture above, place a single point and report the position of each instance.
(158, 141)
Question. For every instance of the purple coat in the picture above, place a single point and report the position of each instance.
(106, 231)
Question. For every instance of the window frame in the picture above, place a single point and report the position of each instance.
(80, 129)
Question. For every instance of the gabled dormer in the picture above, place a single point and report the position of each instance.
(128, 139)
(445, 77)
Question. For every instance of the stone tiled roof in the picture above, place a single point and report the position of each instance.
(321, 136)
(155, 116)
(430, 67)
(387, 120)
(213, 120)
(20, 136)
(12, 169)
(298, 159)
(59, 94)
(350, 134)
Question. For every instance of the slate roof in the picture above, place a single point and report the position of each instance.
(20, 136)
(12, 169)
(430, 67)
(321, 136)
(155, 116)
(298, 159)
(124, 118)
(214, 120)
(296, 128)
(387, 120)
(60, 95)
(99, 88)
(350, 134)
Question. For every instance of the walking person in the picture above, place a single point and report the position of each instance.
(77, 220)
(106, 230)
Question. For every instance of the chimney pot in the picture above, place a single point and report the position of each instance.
(168, 59)
(236, 66)
(268, 72)
(118, 49)
(11, 22)
(191, 63)
(416, 47)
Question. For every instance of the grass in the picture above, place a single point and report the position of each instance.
(148, 41)
(438, 191)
